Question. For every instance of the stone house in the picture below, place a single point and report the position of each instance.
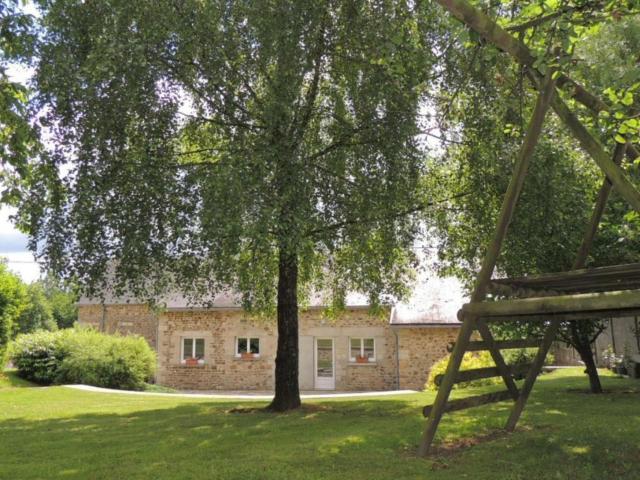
(223, 348)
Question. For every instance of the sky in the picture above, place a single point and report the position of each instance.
(13, 248)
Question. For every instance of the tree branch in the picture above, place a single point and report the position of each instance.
(403, 213)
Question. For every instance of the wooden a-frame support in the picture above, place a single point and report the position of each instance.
(614, 177)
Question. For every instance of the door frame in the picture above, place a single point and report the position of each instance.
(324, 383)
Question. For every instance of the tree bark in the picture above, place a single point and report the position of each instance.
(287, 394)
(583, 346)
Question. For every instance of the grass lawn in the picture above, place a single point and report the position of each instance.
(58, 432)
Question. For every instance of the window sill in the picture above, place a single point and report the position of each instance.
(199, 365)
(357, 364)
(247, 359)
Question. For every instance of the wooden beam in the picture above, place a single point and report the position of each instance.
(515, 187)
(496, 355)
(484, 276)
(504, 41)
(601, 279)
(482, 373)
(584, 302)
(469, 402)
(566, 317)
(598, 211)
(477, 346)
(614, 173)
(440, 403)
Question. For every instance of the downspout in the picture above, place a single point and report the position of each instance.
(395, 332)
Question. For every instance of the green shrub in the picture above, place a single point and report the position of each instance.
(469, 361)
(524, 356)
(37, 355)
(84, 356)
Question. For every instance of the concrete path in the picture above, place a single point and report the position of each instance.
(242, 395)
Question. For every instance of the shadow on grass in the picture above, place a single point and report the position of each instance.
(373, 438)
(10, 379)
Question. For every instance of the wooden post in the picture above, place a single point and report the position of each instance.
(440, 403)
(489, 263)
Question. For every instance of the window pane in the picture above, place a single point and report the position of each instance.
(187, 348)
(325, 358)
(368, 347)
(242, 345)
(355, 347)
(254, 345)
(199, 348)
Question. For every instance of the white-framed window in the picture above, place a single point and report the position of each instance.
(362, 349)
(192, 348)
(247, 345)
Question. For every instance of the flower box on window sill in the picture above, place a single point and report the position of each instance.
(192, 362)
(248, 356)
(361, 359)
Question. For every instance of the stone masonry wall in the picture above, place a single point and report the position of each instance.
(420, 349)
(126, 319)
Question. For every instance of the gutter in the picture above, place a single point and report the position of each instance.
(425, 325)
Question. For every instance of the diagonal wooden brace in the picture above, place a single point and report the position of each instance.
(484, 276)
(504, 41)
(534, 371)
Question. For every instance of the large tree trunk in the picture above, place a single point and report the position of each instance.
(582, 345)
(287, 395)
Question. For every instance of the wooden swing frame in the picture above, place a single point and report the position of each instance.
(552, 298)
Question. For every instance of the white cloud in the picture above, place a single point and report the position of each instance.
(13, 248)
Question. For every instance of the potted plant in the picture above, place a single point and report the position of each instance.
(247, 355)
(619, 365)
(191, 361)
(362, 359)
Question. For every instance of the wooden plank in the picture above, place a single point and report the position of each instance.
(534, 371)
(477, 346)
(598, 211)
(482, 373)
(584, 280)
(583, 302)
(470, 402)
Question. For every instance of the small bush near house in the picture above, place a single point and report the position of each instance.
(525, 356)
(83, 356)
(469, 361)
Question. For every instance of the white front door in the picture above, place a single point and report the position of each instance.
(325, 378)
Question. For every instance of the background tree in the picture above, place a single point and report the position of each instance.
(484, 109)
(13, 301)
(37, 313)
(62, 297)
(265, 148)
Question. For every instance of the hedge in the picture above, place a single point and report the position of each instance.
(85, 356)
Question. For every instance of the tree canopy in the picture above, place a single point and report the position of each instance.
(268, 149)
